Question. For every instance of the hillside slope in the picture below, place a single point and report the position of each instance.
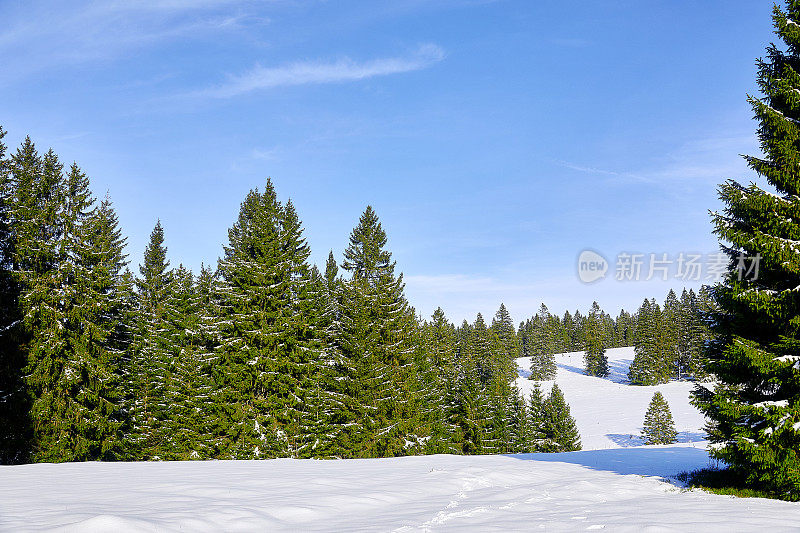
(610, 413)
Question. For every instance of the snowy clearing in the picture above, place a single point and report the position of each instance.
(616, 484)
(610, 413)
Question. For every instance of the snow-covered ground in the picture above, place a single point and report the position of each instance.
(616, 484)
(610, 413)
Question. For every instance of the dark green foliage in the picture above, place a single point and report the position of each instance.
(14, 400)
(375, 337)
(68, 259)
(506, 342)
(653, 361)
(266, 357)
(558, 428)
(659, 428)
(727, 482)
(755, 407)
(437, 396)
(151, 367)
(536, 421)
(596, 360)
(518, 424)
(268, 354)
(542, 344)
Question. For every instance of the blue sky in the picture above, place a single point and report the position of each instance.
(495, 139)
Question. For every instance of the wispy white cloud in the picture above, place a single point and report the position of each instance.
(317, 72)
(269, 154)
(40, 35)
(705, 158)
(601, 171)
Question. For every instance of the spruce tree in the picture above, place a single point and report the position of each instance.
(269, 349)
(69, 255)
(543, 361)
(493, 386)
(596, 360)
(560, 432)
(625, 329)
(150, 370)
(98, 322)
(671, 327)
(14, 401)
(38, 214)
(755, 407)
(652, 361)
(659, 428)
(536, 421)
(507, 347)
(470, 404)
(377, 341)
(519, 424)
(335, 408)
(194, 336)
(437, 396)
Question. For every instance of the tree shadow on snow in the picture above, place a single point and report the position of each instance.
(571, 368)
(523, 373)
(643, 461)
(617, 370)
(627, 440)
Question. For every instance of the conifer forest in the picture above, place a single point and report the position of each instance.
(266, 355)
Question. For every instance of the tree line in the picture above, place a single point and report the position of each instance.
(669, 340)
(263, 356)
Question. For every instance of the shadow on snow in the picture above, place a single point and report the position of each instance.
(617, 370)
(627, 440)
(664, 462)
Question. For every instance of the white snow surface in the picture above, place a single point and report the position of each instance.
(616, 484)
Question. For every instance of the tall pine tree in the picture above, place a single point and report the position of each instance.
(377, 342)
(269, 348)
(754, 410)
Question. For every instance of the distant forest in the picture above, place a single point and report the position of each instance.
(267, 355)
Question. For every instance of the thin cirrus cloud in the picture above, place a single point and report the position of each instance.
(319, 72)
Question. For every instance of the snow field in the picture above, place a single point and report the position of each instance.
(615, 484)
(610, 413)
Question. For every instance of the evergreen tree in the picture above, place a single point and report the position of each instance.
(625, 326)
(269, 351)
(508, 348)
(70, 256)
(194, 335)
(659, 428)
(335, 408)
(536, 421)
(755, 406)
(438, 392)
(519, 424)
(543, 361)
(38, 217)
(651, 364)
(560, 433)
(150, 371)
(14, 400)
(671, 324)
(469, 405)
(596, 360)
(377, 341)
